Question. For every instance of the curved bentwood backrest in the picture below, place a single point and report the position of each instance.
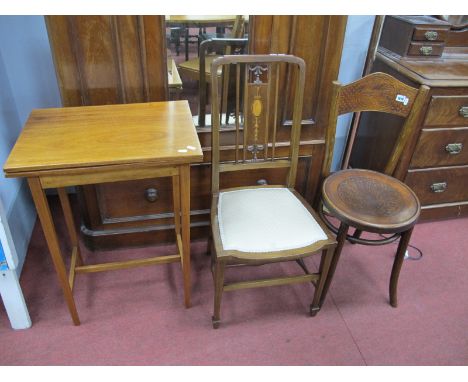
(375, 92)
(257, 102)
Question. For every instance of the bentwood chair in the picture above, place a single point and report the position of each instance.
(259, 225)
(368, 200)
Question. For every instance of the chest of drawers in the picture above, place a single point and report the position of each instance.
(414, 36)
(435, 162)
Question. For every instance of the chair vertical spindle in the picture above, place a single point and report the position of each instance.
(267, 120)
(237, 110)
(215, 133)
(246, 113)
(275, 118)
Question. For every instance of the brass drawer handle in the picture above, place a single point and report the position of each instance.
(463, 111)
(426, 50)
(454, 148)
(439, 187)
(431, 35)
(151, 195)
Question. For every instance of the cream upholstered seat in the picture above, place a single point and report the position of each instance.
(265, 220)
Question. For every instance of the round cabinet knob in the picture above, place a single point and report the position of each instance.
(151, 194)
(431, 35)
(262, 182)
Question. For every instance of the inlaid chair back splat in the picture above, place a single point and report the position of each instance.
(258, 225)
(256, 113)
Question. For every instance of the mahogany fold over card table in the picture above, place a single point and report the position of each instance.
(74, 146)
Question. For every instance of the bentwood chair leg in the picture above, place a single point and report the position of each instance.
(327, 256)
(357, 234)
(218, 287)
(397, 263)
(341, 239)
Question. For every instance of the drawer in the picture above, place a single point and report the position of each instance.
(447, 111)
(425, 49)
(429, 34)
(437, 186)
(441, 147)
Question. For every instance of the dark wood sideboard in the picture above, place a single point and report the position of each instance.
(435, 162)
(122, 59)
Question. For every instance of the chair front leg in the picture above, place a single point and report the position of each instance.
(340, 239)
(397, 263)
(327, 256)
(218, 277)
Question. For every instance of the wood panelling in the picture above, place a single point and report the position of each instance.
(122, 59)
(109, 59)
(318, 40)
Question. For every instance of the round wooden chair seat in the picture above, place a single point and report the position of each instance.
(371, 201)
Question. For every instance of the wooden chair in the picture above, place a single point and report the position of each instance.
(257, 225)
(225, 76)
(193, 69)
(367, 200)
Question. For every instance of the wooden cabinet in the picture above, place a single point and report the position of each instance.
(414, 35)
(435, 163)
(121, 59)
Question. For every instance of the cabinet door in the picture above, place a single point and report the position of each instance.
(103, 60)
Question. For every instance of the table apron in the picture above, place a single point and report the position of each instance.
(105, 176)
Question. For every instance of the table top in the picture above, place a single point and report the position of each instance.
(173, 76)
(88, 136)
(200, 19)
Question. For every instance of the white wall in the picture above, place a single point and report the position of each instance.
(27, 81)
(356, 43)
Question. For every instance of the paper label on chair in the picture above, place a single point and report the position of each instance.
(402, 98)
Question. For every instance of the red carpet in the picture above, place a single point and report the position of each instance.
(136, 317)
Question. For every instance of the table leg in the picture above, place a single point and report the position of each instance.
(184, 178)
(43, 210)
(176, 202)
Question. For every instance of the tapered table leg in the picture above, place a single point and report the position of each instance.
(43, 210)
(184, 179)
